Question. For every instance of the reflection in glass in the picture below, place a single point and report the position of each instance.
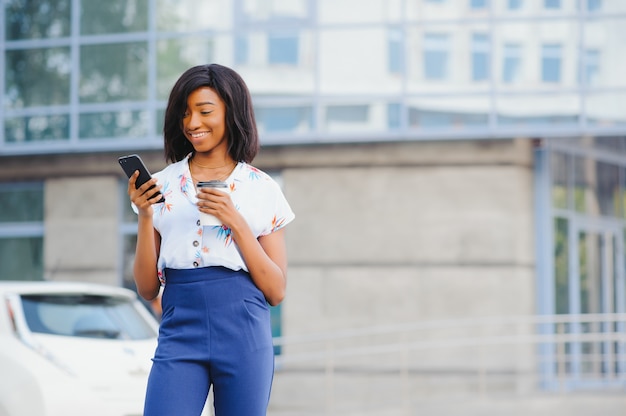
(606, 109)
(481, 60)
(561, 263)
(21, 258)
(551, 62)
(113, 124)
(37, 19)
(436, 56)
(560, 174)
(175, 56)
(348, 118)
(608, 189)
(538, 110)
(193, 15)
(113, 16)
(512, 63)
(37, 128)
(113, 72)
(37, 77)
(283, 49)
(452, 112)
(21, 203)
(284, 119)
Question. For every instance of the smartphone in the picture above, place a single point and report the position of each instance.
(132, 163)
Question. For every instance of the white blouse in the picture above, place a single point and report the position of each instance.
(185, 244)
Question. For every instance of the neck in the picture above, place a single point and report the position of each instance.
(214, 171)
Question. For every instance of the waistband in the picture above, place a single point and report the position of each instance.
(174, 276)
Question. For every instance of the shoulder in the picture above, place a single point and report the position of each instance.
(254, 176)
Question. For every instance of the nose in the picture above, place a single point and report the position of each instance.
(193, 121)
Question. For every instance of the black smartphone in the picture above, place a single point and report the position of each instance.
(132, 163)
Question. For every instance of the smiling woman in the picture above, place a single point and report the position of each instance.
(218, 279)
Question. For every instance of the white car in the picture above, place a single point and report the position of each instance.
(71, 349)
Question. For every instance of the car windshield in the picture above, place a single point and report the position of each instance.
(90, 316)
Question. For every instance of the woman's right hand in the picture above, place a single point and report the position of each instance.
(143, 199)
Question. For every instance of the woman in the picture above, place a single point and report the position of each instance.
(215, 328)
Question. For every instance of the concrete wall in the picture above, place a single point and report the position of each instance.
(384, 233)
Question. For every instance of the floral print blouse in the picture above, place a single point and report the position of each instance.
(185, 244)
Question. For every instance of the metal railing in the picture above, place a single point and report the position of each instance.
(473, 357)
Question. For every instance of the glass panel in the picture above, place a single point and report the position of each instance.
(550, 58)
(283, 48)
(447, 58)
(481, 57)
(21, 203)
(87, 316)
(113, 16)
(343, 11)
(268, 10)
(37, 19)
(590, 272)
(538, 110)
(605, 52)
(114, 124)
(450, 112)
(284, 119)
(584, 172)
(262, 76)
(606, 109)
(607, 189)
(561, 266)
(175, 56)
(21, 258)
(345, 118)
(114, 72)
(37, 77)
(560, 175)
(182, 15)
(341, 49)
(37, 128)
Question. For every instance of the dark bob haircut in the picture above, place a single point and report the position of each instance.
(241, 131)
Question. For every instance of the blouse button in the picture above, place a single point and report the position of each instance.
(196, 243)
(195, 264)
(198, 223)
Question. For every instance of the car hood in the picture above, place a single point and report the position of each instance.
(105, 365)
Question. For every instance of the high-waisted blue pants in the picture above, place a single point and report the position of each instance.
(215, 330)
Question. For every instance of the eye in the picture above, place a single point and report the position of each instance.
(206, 113)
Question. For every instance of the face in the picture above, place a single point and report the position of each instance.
(204, 121)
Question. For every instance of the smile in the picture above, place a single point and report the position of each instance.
(198, 135)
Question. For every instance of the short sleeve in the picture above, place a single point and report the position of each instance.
(280, 214)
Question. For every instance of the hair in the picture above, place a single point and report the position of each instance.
(241, 130)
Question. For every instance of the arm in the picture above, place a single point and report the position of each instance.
(265, 257)
(148, 240)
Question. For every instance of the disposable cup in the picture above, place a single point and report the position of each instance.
(208, 219)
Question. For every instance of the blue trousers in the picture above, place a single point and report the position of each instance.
(215, 331)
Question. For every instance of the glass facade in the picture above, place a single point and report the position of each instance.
(21, 231)
(588, 205)
(75, 72)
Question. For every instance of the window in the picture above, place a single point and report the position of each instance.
(283, 49)
(436, 51)
(551, 63)
(514, 4)
(552, 4)
(480, 57)
(511, 66)
(21, 231)
(395, 55)
(591, 67)
(241, 50)
(478, 4)
(594, 5)
(284, 119)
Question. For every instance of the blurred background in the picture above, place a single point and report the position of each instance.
(457, 169)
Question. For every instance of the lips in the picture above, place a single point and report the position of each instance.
(197, 135)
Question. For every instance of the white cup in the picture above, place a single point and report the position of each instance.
(208, 219)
